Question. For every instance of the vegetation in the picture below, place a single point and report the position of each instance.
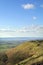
(27, 53)
(5, 45)
(3, 58)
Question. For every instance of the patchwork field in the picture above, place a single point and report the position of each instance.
(5, 45)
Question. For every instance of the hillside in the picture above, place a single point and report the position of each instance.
(27, 53)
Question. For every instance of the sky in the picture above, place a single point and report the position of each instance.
(21, 18)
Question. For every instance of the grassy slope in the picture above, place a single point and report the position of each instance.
(26, 53)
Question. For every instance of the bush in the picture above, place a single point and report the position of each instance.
(3, 57)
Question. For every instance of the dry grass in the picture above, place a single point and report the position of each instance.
(26, 53)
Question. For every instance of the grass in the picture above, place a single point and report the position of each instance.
(27, 53)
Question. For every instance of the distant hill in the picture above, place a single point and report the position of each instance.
(28, 53)
(21, 38)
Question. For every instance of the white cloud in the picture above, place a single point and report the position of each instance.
(41, 6)
(7, 30)
(34, 17)
(30, 31)
(28, 6)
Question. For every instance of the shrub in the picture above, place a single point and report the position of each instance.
(3, 57)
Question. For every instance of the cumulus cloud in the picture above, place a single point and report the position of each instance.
(28, 6)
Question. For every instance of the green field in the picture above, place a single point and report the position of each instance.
(5, 45)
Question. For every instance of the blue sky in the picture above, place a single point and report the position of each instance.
(16, 15)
